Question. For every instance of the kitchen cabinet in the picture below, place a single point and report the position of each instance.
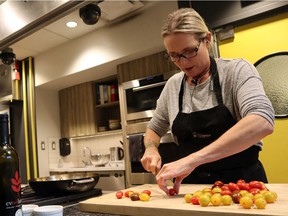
(80, 112)
(143, 67)
(77, 116)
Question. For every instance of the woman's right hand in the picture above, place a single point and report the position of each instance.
(151, 160)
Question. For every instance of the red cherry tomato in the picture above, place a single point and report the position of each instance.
(256, 184)
(225, 187)
(128, 193)
(226, 192)
(254, 191)
(119, 194)
(195, 200)
(232, 186)
(243, 186)
(147, 192)
(171, 192)
(241, 181)
(218, 184)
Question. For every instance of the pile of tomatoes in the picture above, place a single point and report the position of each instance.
(247, 194)
(134, 196)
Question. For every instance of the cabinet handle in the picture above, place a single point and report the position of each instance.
(141, 88)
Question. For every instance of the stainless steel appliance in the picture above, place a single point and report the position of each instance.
(111, 180)
(140, 96)
(116, 153)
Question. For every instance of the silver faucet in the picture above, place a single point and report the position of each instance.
(84, 154)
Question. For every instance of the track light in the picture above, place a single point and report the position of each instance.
(90, 14)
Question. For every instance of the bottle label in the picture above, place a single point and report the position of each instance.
(16, 183)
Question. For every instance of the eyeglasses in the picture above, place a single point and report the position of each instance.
(189, 53)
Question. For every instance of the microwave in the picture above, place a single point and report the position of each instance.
(140, 96)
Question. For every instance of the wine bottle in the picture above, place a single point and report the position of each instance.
(10, 184)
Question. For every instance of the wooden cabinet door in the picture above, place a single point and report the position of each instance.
(77, 114)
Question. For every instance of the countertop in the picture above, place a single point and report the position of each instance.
(75, 211)
(91, 168)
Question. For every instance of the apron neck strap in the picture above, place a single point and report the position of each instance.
(216, 82)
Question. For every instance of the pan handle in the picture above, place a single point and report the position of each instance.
(83, 181)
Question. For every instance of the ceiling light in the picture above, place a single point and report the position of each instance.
(71, 24)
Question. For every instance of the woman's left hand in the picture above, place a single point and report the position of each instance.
(177, 170)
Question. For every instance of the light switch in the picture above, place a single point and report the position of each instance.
(53, 145)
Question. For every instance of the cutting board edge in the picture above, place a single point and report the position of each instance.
(132, 210)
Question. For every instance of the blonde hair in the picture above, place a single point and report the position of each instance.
(185, 20)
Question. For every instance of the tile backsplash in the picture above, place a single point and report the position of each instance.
(97, 144)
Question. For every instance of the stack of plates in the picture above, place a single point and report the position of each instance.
(114, 124)
(102, 128)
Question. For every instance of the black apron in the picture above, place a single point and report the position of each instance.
(198, 129)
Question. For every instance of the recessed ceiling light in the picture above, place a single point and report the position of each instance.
(71, 24)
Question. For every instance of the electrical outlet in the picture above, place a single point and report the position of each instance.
(43, 145)
(53, 143)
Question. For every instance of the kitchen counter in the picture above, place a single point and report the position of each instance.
(162, 205)
(75, 211)
(87, 169)
(111, 166)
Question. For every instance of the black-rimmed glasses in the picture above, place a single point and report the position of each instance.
(189, 53)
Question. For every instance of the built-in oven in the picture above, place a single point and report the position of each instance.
(140, 95)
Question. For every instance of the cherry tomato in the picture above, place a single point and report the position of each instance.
(171, 192)
(195, 200)
(254, 191)
(226, 192)
(217, 184)
(134, 196)
(225, 187)
(246, 202)
(144, 197)
(243, 186)
(147, 192)
(119, 194)
(128, 193)
(236, 196)
(256, 184)
(241, 181)
(232, 186)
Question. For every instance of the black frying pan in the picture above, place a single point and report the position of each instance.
(64, 184)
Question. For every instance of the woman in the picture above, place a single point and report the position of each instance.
(217, 111)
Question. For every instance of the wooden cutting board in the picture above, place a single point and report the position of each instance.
(162, 205)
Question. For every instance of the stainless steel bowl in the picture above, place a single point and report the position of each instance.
(100, 159)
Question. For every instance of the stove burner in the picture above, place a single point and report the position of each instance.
(28, 196)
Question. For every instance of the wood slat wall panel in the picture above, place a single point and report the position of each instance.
(143, 67)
